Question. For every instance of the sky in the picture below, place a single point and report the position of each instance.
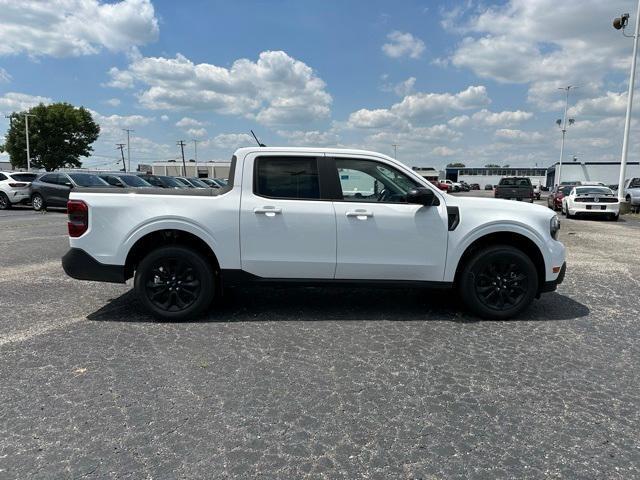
(466, 81)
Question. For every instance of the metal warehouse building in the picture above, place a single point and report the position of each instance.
(491, 176)
(201, 169)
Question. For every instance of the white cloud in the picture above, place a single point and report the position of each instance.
(518, 136)
(401, 89)
(114, 102)
(4, 76)
(505, 118)
(403, 45)
(197, 132)
(15, 102)
(610, 104)
(164, 118)
(378, 118)
(310, 138)
(532, 42)
(275, 90)
(420, 105)
(443, 151)
(188, 122)
(63, 28)
(121, 121)
(231, 140)
(460, 121)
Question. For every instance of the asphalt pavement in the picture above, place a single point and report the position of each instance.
(318, 383)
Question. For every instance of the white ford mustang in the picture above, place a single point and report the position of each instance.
(592, 200)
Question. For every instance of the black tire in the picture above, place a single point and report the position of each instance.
(498, 282)
(5, 203)
(37, 202)
(614, 217)
(161, 281)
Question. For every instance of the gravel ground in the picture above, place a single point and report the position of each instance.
(318, 383)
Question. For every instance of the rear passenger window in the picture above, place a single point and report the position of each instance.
(2, 177)
(49, 178)
(287, 177)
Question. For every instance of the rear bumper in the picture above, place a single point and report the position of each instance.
(80, 265)
(553, 284)
(595, 208)
(18, 196)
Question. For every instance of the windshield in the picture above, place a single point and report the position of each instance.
(183, 182)
(134, 181)
(198, 183)
(87, 180)
(566, 190)
(172, 182)
(593, 190)
(23, 177)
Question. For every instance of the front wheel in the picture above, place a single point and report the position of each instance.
(498, 282)
(5, 203)
(175, 283)
(37, 202)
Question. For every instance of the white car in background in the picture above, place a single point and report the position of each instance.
(591, 200)
(14, 188)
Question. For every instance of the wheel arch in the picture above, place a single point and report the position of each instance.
(510, 238)
(163, 237)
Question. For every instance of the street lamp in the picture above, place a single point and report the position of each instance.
(26, 132)
(562, 124)
(620, 23)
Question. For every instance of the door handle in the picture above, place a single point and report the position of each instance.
(267, 211)
(360, 214)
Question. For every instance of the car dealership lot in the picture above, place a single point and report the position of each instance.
(335, 383)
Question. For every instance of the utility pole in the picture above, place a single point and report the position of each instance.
(10, 117)
(128, 130)
(563, 126)
(195, 154)
(621, 23)
(395, 150)
(26, 132)
(121, 147)
(184, 165)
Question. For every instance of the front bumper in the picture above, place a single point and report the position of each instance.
(80, 265)
(551, 286)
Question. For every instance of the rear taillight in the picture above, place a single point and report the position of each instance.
(18, 185)
(78, 212)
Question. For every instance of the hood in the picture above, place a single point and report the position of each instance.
(498, 205)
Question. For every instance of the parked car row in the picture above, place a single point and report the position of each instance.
(52, 189)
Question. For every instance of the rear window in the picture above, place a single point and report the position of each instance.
(24, 177)
(87, 180)
(172, 182)
(287, 177)
(515, 182)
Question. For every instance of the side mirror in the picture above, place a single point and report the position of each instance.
(422, 196)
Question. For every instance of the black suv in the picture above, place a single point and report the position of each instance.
(52, 189)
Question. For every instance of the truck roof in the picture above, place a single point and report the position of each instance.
(322, 150)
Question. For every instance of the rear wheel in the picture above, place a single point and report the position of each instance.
(175, 283)
(5, 203)
(37, 202)
(498, 282)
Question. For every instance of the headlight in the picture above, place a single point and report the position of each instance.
(554, 227)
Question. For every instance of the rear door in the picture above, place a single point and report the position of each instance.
(380, 236)
(286, 230)
(61, 190)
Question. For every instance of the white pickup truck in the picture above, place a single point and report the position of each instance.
(285, 217)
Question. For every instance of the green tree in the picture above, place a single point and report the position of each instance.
(491, 165)
(59, 134)
(456, 165)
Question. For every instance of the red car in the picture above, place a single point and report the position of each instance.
(441, 185)
(554, 200)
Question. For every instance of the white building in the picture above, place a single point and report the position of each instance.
(175, 169)
(491, 176)
(605, 172)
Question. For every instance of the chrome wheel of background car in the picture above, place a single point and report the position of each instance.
(501, 285)
(173, 284)
(37, 202)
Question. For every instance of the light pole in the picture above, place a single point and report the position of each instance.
(395, 150)
(128, 130)
(621, 23)
(562, 123)
(195, 154)
(26, 132)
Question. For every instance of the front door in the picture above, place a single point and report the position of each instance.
(380, 236)
(286, 230)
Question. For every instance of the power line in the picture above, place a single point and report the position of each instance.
(184, 165)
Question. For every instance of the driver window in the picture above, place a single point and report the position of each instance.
(370, 181)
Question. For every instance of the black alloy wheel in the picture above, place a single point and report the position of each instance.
(498, 282)
(4, 201)
(175, 283)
